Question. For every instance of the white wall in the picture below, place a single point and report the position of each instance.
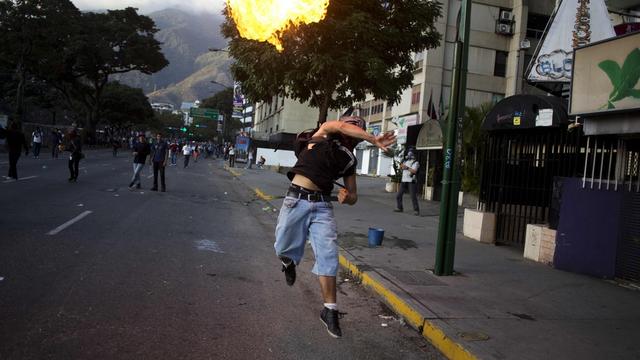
(281, 157)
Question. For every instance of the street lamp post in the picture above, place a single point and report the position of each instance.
(446, 243)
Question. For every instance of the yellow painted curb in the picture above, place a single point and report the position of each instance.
(432, 333)
(262, 195)
(233, 172)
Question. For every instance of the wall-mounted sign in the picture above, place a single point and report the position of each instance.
(374, 130)
(238, 97)
(403, 124)
(606, 76)
(576, 23)
(544, 118)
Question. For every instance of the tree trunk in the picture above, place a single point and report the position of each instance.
(21, 74)
(323, 109)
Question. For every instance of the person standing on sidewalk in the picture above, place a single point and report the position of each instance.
(140, 151)
(75, 148)
(160, 157)
(15, 142)
(409, 183)
(232, 156)
(186, 151)
(249, 159)
(307, 212)
(36, 139)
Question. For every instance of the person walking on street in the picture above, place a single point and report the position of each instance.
(36, 139)
(409, 183)
(173, 151)
(75, 148)
(115, 145)
(186, 151)
(140, 151)
(307, 212)
(232, 156)
(56, 140)
(160, 157)
(15, 142)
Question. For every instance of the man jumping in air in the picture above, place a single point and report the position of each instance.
(307, 211)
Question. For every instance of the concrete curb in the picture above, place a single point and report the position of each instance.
(414, 314)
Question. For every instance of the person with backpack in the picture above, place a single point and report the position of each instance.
(409, 183)
(324, 155)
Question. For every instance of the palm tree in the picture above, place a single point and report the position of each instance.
(473, 139)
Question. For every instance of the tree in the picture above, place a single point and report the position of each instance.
(223, 102)
(473, 138)
(361, 47)
(33, 34)
(115, 42)
(123, 106)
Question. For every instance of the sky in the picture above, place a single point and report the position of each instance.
(147, 6)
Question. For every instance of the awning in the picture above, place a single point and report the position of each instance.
(526, 112)
(430, 136)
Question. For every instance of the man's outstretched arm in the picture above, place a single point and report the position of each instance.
(340, 127)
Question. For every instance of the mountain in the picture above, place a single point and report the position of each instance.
(186, 39)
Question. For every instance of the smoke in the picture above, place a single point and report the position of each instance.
(147, 6)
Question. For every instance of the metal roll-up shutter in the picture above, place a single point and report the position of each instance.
(628, 255)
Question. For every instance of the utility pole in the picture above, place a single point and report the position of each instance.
(446, 244)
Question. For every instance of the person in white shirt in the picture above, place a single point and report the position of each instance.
(36, 139)
(409, 168)
(232, 156)
(186, 151)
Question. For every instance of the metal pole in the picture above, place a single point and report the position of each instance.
(445, 246)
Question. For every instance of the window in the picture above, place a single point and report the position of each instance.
(500, 68)
(415, 95)
(270, 130)
(277, 127)
(535, 25)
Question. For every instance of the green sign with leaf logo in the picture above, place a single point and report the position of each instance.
(606, 77)
(624, 79)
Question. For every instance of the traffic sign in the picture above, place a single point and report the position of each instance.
(211, 114)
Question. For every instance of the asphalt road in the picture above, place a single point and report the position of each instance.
(91, 270)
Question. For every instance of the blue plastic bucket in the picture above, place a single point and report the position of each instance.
(375, 237)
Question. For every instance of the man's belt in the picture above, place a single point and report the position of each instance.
(299, 192)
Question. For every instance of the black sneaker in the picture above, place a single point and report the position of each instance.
(289, 270)
(330, 319)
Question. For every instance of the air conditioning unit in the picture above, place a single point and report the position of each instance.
(506, 15)
(504, 29)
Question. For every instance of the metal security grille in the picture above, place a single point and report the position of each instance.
(517, 179)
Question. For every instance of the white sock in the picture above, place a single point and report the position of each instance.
(331, 306)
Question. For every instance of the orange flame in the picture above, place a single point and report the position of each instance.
(264, 20)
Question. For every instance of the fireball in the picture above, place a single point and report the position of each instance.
(265, 20)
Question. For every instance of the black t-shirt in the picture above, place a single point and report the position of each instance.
(143, 149)
(324, 163)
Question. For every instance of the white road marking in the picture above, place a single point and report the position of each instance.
(20, 179)
(209, 245)
(69, 223)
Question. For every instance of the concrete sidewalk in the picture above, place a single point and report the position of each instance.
(499, 306)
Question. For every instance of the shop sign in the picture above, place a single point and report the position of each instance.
(606, 77)
(576, 23)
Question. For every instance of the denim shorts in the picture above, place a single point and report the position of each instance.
(300, 220)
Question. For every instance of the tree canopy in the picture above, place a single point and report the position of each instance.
(74, 52)
(124, 106)
(361, 47)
